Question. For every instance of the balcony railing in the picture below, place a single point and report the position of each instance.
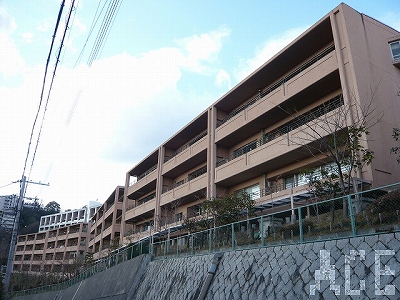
(141, 176)
(277, 84)
(294, 124)
(142, 201)
(187, 145)
(191, 176)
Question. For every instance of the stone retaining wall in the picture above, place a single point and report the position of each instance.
(356, 268)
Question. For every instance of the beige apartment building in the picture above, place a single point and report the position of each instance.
(92, 229)
(60, 245)
(105, 225)
(56, 251)
(256, 138)
(249, 138)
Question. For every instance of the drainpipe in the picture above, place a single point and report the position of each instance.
(213, 269)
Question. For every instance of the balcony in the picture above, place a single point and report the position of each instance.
(136, 211)
(193, 183)
(272, 145)
(144, 179)
(184, 153)
(308, 74)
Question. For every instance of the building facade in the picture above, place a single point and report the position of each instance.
(58, 250)
(257, 137)
(8, 206)
(68, 217)
(60, 245)
(105, 225)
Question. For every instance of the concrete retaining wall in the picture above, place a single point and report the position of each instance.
(356, 268)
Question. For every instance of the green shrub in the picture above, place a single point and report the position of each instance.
(385, 209)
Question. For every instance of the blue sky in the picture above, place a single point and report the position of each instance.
(162, 64)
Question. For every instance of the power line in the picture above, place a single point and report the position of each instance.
(8, 184)
(51, 83)
(44, 83)
(103, 32)
(94, 22)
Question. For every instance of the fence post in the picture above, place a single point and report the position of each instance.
(210, 241)
(300, 225)
(262, 231)
(233, 236)
(353, 223)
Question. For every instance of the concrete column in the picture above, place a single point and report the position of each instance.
(211, 152)
(159, 186)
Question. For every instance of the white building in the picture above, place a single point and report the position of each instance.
(7, 211)
(68, 217)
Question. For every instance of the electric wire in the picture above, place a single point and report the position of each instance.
(112, 24)
(51, 83)
(72, 22)
(8, 184)
(43, 86)
(100, 39)
(94, 22)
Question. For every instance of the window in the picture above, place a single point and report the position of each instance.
(289, 182)
(178, 217)
(253, 191)
(395, 48)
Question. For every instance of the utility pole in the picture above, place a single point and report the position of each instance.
(14, 234)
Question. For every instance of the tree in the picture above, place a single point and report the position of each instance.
(336, 133)
(396, 149)
(52, 207)
(224, 210)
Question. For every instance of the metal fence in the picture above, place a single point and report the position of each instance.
(117, 257)
(364, 213)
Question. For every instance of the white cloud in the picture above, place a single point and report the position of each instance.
(11, 62)
(44, 26)
(202, 48)
(266, 51)
(78, 24)
(7, 23)
(104, 119)
(223, 78)
(28, 37)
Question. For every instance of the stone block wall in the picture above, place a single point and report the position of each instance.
(356, 268)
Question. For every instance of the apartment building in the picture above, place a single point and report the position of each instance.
(68, 217)
(7, 211)
(105, 225)
(61, 242)
(246, 139)
(56, 250)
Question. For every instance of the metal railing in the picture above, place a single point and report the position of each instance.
(365, 213)
(142, 201)
(187, 145)
(191, 176)
(277, 84)
(141, 176)
(285, 129)
(115, 258)
(369, 212)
